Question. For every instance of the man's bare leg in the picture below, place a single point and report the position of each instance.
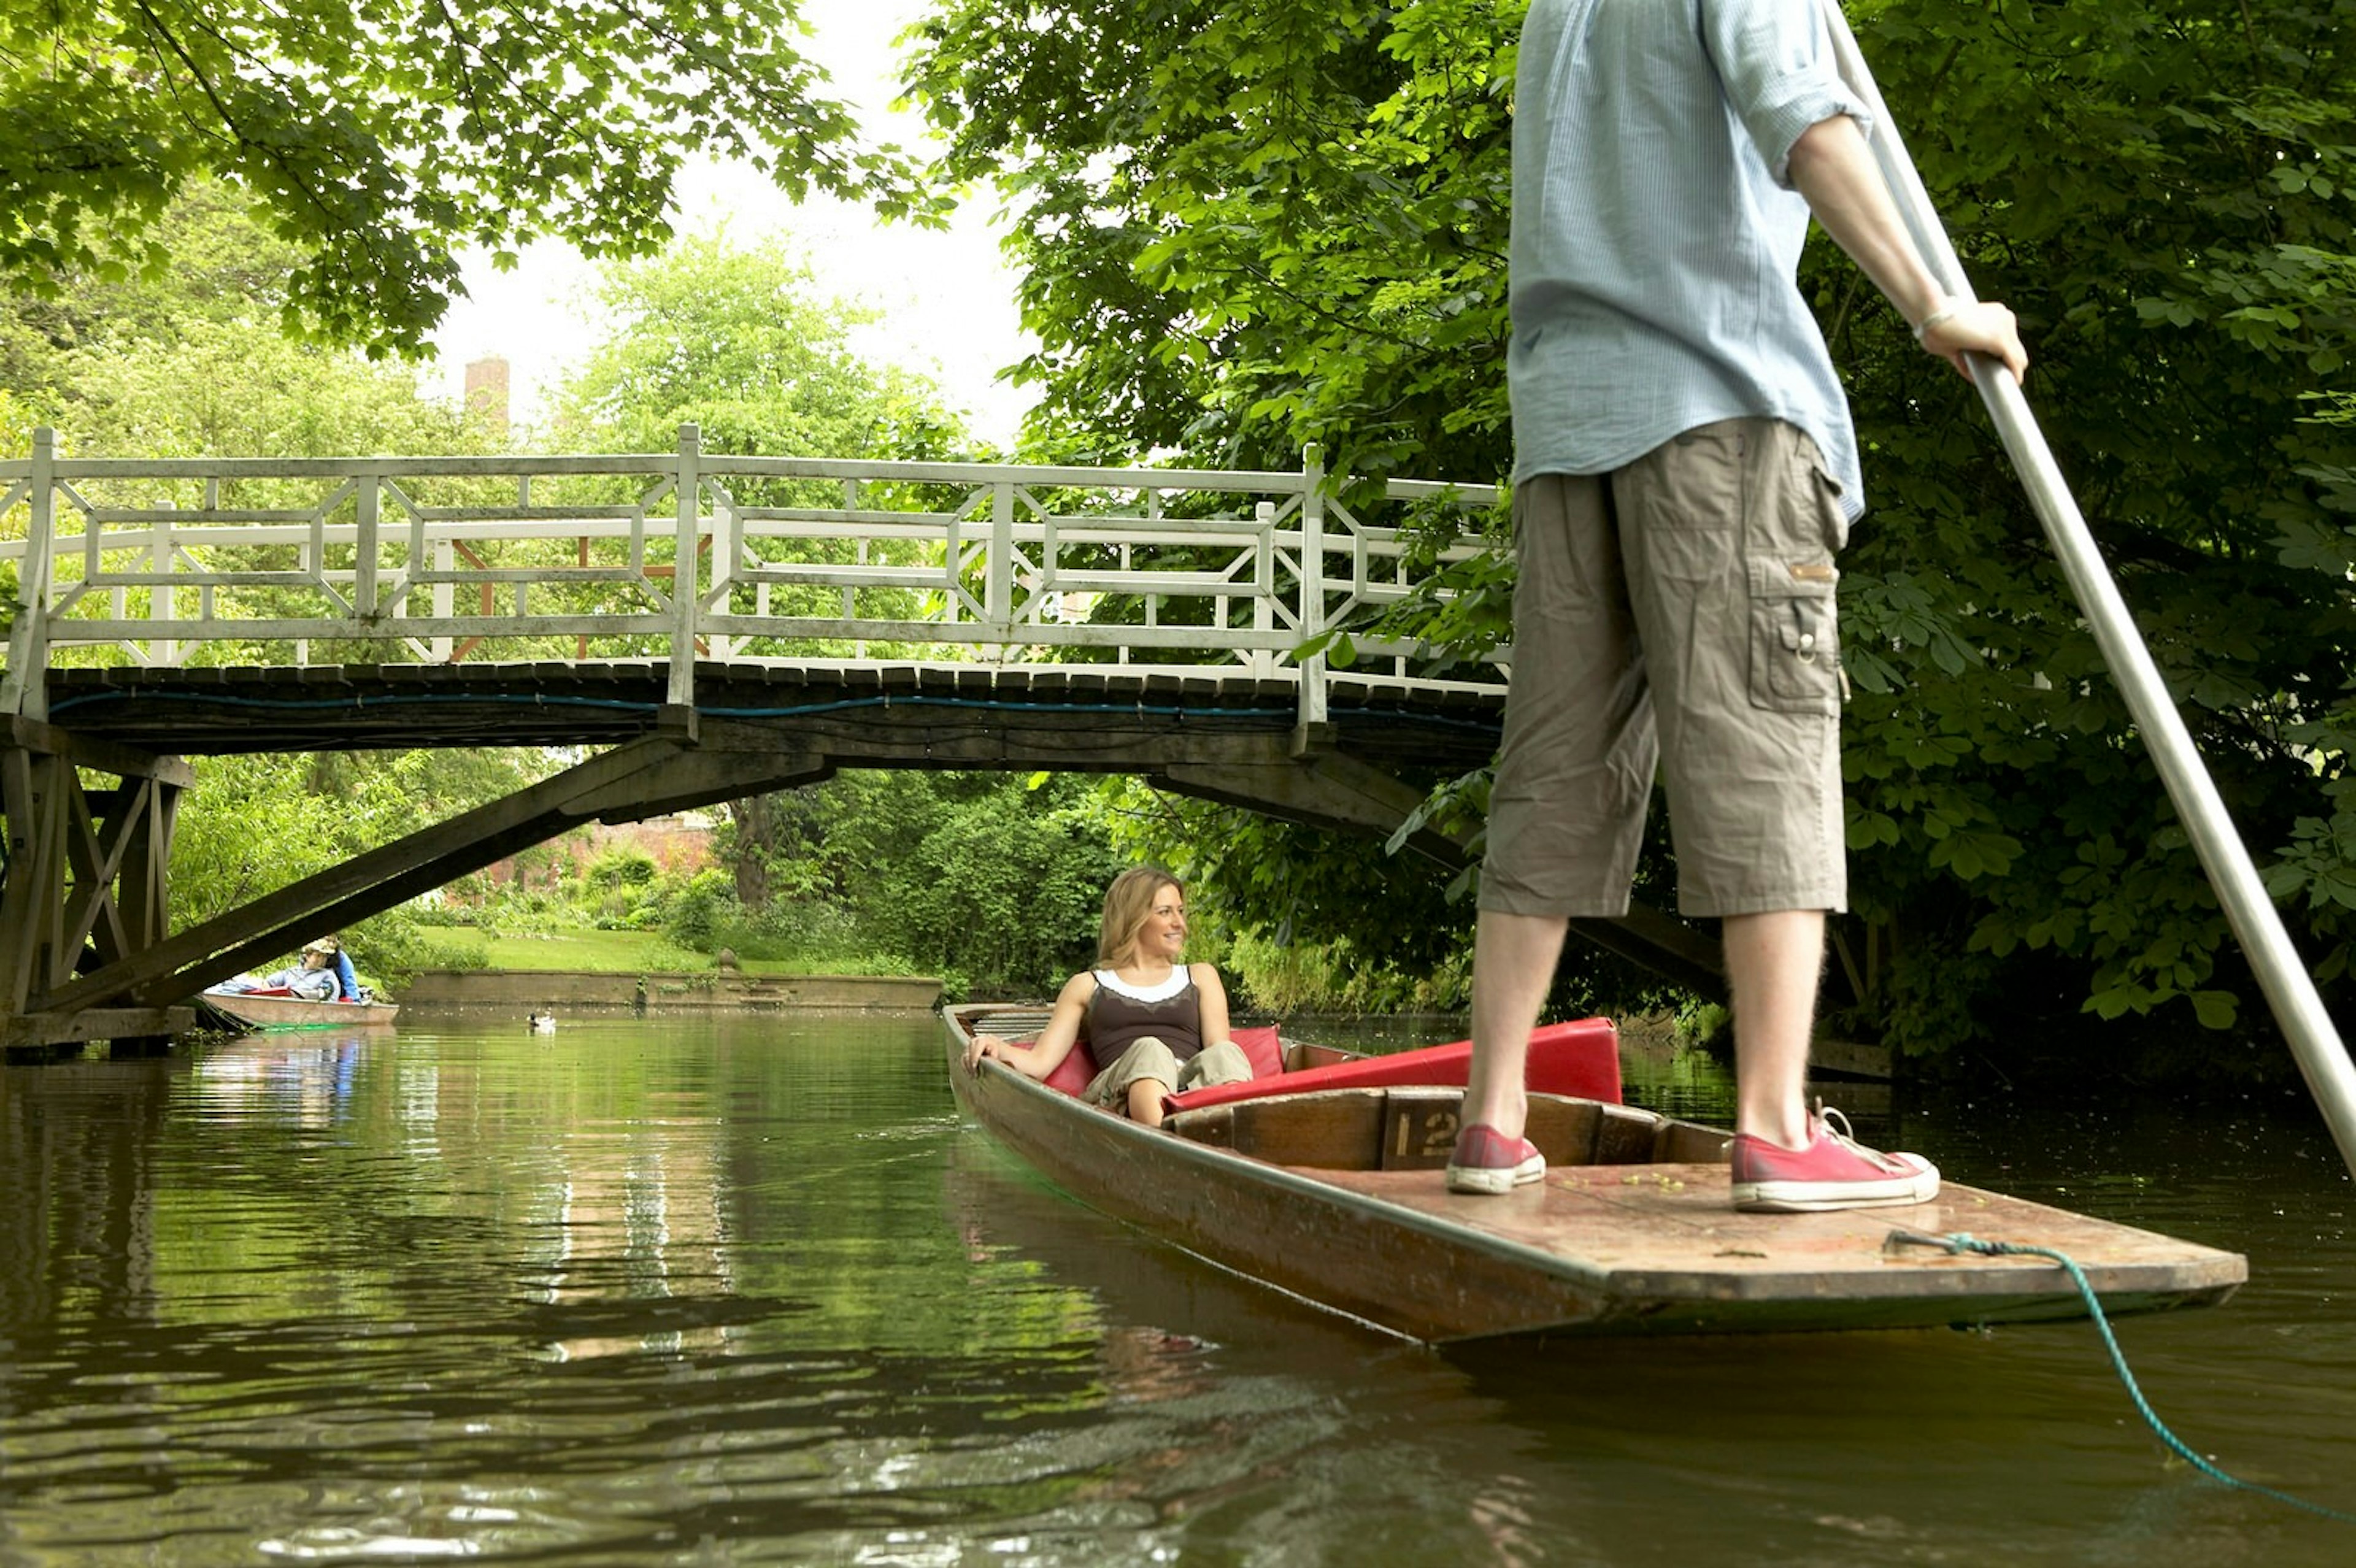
(1771, 964)
(1514, 957)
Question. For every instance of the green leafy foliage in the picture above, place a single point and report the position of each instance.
(991, 883)
(2162, 196)
(380, 138)
(254, 824)
(737, 339)
(227, 267)
(190, 362)
(1248, 228)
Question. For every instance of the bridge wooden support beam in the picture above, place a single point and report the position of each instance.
(644, 778)
(1288, 773)
(85, 879)
(83, 919)
(1333, 791)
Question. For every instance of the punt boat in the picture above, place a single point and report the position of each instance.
(281, 1009)
(1323, 1177)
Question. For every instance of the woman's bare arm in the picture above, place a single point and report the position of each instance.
(1212, 1003)
(1054, 1042)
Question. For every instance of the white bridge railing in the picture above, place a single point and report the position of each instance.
(166, 562)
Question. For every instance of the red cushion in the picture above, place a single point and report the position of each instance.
(1262, 1046)
(1072, 1073)
(1581, 1058)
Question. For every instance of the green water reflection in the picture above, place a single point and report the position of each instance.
(655, 1291)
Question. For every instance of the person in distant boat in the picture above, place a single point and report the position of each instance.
(1685, 471)
(1155, 1024)
(347, 979)
(312, 977)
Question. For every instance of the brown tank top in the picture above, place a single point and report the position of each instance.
(1116, 1022)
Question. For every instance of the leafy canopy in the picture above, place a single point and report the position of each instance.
(738, 340)
(382, 137)
(1247, 228)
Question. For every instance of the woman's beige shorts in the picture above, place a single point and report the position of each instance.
(1675, 612)
(1149, 1058)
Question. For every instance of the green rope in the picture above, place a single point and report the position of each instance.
(1959, 1242)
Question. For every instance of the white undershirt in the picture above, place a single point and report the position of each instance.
(1178, 981)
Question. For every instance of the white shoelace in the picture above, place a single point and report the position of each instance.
(1835, 1124)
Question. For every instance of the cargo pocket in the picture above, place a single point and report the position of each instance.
(1832, 522)
(1794, 636)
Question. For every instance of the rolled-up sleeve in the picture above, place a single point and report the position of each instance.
(1775, 62)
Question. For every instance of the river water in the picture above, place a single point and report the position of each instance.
(745, 1290)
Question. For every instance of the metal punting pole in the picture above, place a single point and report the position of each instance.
(2289, 989)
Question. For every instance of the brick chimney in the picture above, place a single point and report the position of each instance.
(487, 391)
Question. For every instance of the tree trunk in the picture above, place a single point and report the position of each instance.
(757, 840)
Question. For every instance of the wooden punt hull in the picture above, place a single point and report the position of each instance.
(258, 1012)
(1615, 1248)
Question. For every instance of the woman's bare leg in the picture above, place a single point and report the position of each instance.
(1145, 1101)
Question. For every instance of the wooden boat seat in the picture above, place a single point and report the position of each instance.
(1413, 1127)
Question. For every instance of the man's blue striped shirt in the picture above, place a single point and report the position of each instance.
(1655, 238)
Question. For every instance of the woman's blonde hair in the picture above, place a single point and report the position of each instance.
(1129, 903)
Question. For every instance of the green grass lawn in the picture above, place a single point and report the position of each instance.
(646, 952)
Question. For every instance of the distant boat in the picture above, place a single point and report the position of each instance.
(273, 1011)
(1322, 1177)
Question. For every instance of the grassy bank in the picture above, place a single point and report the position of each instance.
(647, 953)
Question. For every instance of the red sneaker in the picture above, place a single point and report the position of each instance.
(1487, 1160)
(1835, 1171)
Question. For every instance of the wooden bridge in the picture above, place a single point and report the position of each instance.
(722, 626)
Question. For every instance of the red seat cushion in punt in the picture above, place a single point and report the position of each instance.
(1581, 1058)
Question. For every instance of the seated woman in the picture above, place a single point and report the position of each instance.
(1153, 1024)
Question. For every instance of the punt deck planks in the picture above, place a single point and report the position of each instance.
(1667, 1230)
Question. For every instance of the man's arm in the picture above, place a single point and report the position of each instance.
(1831, 167)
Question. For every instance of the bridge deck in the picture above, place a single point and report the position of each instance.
(1394, 725)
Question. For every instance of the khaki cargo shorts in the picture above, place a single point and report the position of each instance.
(1678, 613)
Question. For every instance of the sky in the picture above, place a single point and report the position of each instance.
(946, 297)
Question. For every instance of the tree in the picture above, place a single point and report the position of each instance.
(1245, 227)
(227, 267)
(736, 342)
(737, 339)
(225, 389)
(2167, 195)
(990, 880)
(191, 363)
(382, 138)
(255, 823)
